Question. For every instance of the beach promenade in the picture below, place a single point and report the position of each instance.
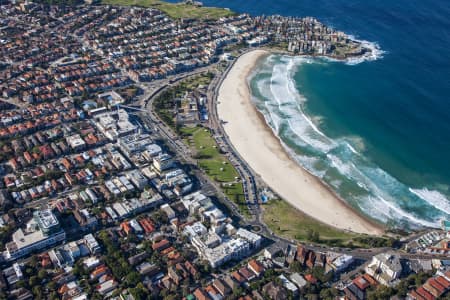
(262, 150)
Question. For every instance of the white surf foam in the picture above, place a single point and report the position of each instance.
(395, 212)
(374, 53)
(351, 148)
(434, 198)
(283, 109)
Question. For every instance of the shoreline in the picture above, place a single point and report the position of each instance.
(265, 154)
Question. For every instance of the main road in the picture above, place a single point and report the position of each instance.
(171, 138)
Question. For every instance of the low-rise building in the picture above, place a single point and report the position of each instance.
(289, 285)
(163, 162)
(385, 268)
(341, 263)
(92, 244)
(76, 142)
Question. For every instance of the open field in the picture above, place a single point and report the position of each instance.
(215, 164)
(285, 220)
(176, 10)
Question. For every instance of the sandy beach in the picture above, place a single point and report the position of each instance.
(256, 143)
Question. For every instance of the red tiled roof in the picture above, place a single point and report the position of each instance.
(444, 282)
(434, 283)
(416, 296)
(310, 278)
(361, 283)
(424, 293)
(255, 266)
(239, 278)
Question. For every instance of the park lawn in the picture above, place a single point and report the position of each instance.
(287, 221)
(218, 171)
(235, 192)
(193, 83)
(215, 164)
(209, 158)
(177, 10)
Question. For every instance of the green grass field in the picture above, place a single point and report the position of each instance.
(215, 164)
(286, 221)
(176, 10)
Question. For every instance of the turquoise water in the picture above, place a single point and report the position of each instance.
(311, 129)
(378, 132)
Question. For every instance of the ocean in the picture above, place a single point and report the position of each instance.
(376, 131)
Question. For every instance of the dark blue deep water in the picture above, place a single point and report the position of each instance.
(385, 146)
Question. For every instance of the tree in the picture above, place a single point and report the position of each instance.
(237, 292)
(53, 295)
(51, 286)
(296, 266)
(33, 281)
(139, 292)
(29, 271)
(33, 262)
(37, 292)
(380, 293)
(319, 273)
(205, 268)
(133, 278)
(328, 294)
(42, 274)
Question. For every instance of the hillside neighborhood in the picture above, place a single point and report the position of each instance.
(102, 198)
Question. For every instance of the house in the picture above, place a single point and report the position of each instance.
(341, 263)
(174, 275)
(298, 280)
(302, 254)
(221, 287)
(425, 294)
(444, 282)
(147, 269)
(352, 292)
(200, 294)
(291, 253)
(238, 277)
(161, 245)
(213, 293)
(434, 287)
(231, 282)
(274, 292)
(289, 285)
(256, 267)
(311, 259)
(273, 251)
(247, 274)
(107, 286)
(138, 258)
(85, 219)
